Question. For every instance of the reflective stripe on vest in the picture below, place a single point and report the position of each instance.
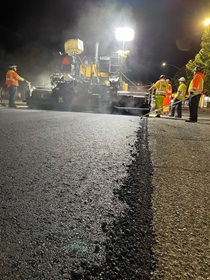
(160, 91)
(200, 86)
(12, 78)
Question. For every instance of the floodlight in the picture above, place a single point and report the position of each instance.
(124, 34)
(207, 21)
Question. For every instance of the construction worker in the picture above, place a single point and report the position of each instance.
(160, 88)
(167, 99)
(179, 96)
(12, 83)
(195, 91)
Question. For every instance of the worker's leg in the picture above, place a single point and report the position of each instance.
(12, 94)
(159, 104)
(166, 103)
(193, 105)
(173, 108)
(179, 109)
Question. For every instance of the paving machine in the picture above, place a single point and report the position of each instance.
(117, 93)
(99, 86)
(63, 92)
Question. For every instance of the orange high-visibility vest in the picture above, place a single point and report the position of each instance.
(12, 78)
(169, 89)
(167, 99)
(197, 83)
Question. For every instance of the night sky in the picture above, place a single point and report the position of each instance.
(165, 30)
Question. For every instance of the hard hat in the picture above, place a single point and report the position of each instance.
(197, 69)
(12, 66)
(162, 77)
(182, 79)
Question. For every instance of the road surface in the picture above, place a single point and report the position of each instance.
(96, 196)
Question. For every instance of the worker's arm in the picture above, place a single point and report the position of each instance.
(178, 93)
(19, 78)
(151, 87)
(23, 80)
(154, 86)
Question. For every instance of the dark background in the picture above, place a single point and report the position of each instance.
(165, 30)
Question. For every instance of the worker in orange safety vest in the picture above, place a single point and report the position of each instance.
(167, 99)
(12, 83)
(195, 90)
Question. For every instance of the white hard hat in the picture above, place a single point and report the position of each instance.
(182, 79)
(162, 77)
(12, 66)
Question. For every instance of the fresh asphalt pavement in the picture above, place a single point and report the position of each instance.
(81, 202)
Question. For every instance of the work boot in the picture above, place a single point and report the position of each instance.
(193, 121)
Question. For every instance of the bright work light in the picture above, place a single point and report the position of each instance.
(207, 22)
(124, 34)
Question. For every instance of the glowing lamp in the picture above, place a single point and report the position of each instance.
(124, 34)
